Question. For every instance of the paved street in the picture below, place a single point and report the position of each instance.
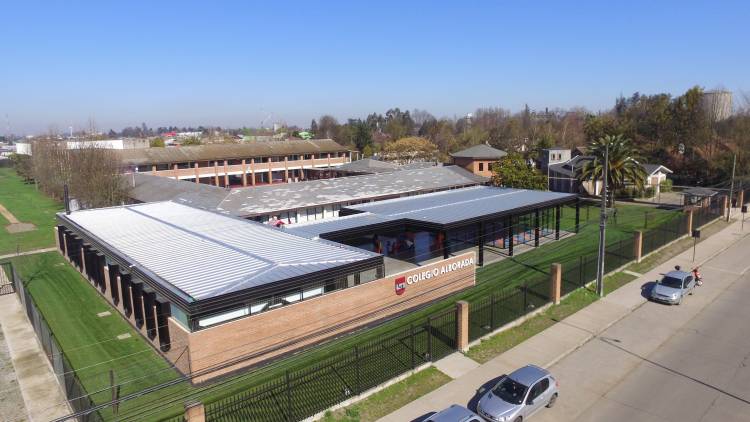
(679, 363)
(626, 359)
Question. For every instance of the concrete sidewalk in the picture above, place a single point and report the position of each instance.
(42, 395)
(555, 343)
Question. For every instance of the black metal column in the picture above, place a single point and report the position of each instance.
(578, 213)
(557, 222)
(480, 244)
(446, 247)
(511, 234)
(536, 228)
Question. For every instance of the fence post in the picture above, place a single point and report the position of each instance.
(429, 339)
(741, 198)
(581, 269)
(638, 245)
(289, 413)
(413, 347)
(689, 221)
(462, 325)
(724, 205)
(555, 283)
(356, 369)
(492, 311)
(195, 412)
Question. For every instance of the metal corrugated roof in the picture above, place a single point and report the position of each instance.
(146, 156)
(205, 254)
(313, 229)
(290, 196)
(480, 151)
(460, 204)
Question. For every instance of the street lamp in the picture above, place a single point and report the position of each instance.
(602, 226)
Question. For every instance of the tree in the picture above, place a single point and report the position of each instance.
(623, 165)
(361, 134)
(408, 150)
(327, 126)
(314, 127)
(157, 142)
(193, 140)
(512, 171)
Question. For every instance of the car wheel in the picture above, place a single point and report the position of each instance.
(518, 419)
(552, 401)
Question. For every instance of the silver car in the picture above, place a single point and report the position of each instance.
(455, 413)
(673, 287)
(519, 395)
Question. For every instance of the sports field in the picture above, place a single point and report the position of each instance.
(27, 205)
(71, 306)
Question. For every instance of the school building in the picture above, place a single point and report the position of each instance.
(215, 294)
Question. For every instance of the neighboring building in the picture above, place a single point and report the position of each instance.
(118, 144)
(552, 156)
(717, 104)
(245, 164)
(655, 174)
(478, 159)
(302, 201)
(698, 196)
(214, 294)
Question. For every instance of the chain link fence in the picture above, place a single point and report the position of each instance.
(74, 392)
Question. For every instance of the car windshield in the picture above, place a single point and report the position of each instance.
(510, 391)
(671, 282)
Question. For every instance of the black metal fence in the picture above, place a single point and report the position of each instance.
(303, 393)
(488, 313)
(74, 392)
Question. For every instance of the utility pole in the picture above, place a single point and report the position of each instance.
(602, 226)
(731, 187)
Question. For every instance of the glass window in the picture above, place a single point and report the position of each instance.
(226, 316)
(367, 275)
(316, 291)
(293, 297)
(481, 166)
(179, 315)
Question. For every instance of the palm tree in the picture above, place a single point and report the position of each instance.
(623, 164)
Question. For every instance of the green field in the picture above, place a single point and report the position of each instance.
(71, 305)
(28, 205)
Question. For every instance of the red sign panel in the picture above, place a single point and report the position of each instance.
(400, 285)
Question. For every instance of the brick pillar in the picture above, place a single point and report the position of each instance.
(270, 173)
(252, 170)
(462, 325)
(216, 173)
(156, 340)
(638, 245)
(153, 170)
(329, 160)
(244, 172)
(689, 221)
(195, 412)
(555, 285)
(174, 170)
(724, 206)
(286, 169)
(226, 173)
(741, 198)
(197, 173)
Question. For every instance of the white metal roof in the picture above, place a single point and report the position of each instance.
(206, 254)
(460, 204)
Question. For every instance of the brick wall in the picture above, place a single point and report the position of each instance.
(259, 337)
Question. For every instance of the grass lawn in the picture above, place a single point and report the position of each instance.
(390, 399)
(29, 206)
(70, 306)
(58, 288)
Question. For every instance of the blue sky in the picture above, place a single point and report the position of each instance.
(232, 63)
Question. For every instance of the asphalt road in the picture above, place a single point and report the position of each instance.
(668, 363)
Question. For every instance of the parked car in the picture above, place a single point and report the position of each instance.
(673, 286)
(519, 395)
(455, 413)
